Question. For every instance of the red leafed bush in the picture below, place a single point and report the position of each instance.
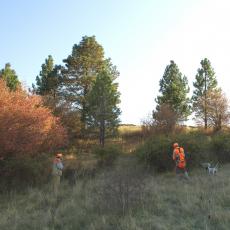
(26, 126)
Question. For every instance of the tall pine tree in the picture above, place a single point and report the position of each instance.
(103, 102)
(205, 82)
(82, 66)
(174, 89)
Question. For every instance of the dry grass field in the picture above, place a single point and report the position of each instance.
(125, 197)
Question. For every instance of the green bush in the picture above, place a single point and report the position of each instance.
(20, 173)
(107, 155)
(197, 147)
(221, 147)
(157, 151)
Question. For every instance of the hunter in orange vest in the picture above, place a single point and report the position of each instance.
(179, 158)
(57, 172)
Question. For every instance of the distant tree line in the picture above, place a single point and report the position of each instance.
(83, 92)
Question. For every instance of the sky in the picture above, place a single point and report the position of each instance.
(140, 37)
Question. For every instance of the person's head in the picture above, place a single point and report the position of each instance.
(59, 155)
(175, 145)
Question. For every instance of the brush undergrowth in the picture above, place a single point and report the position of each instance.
(199, 147)
(125, 197)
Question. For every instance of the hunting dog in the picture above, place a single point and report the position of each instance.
(211, 170)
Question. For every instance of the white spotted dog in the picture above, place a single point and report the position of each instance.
(213, 170)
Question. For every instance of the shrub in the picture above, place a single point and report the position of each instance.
(197, 146)
(106, 155)
(21, 173)
(28, 126)
(157, 151)
(221, 147)
(79, 169)
(27, 129)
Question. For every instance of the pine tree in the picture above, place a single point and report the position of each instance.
(9, 75)
(174, 89)
(82, 66)
(48, 82)
(103, 100)
(205, 81)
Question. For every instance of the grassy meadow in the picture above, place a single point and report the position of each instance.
(126, 195)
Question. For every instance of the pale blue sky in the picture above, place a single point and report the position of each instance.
(141, 37)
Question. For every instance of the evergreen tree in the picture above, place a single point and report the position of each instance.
(103, 100)
(205, 81)
(82, 66)
(10, 76)
(48, 81)
(174, 89)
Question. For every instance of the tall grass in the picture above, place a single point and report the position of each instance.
(124, 197)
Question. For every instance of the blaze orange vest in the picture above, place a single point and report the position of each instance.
(179, 157)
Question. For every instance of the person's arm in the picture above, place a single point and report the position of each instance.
(174, 155)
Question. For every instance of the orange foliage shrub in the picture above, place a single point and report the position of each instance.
(26, 126)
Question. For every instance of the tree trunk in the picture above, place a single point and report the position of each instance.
(219, 126)
(205, 120)
(205, 103)
(102, 133)
(84, 112)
